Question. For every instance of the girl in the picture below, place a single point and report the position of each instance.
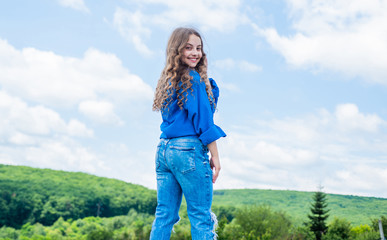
(187, 100)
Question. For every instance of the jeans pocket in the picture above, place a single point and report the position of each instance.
(183, 158)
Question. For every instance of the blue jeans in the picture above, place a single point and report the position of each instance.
(183, 167)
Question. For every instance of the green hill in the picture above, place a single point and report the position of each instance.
(357, 210)
(43, 195)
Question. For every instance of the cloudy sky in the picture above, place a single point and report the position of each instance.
(303, 88)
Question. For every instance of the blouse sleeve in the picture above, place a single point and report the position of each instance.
(200, 113)
(215, 90)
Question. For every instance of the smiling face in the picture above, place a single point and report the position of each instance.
(192, 51)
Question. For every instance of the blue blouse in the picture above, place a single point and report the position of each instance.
(197, 116)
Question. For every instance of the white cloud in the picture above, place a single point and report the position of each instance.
(60, 155)
(300, 153)
(349, 118)
(19, 138)
(208, 15)
(242, 65)
(38, 136)
(123, 159)
(226, 63)
(55, 153)
(100, 111)
(21, 124)
(343, 36)
(361, 178)
(41, 96)
(132, 27)
(77, 128)
(249, 67)
(75, 4)
(54, 80)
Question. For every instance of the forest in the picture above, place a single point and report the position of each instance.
(46, 204)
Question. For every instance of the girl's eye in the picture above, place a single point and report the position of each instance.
(188, 48)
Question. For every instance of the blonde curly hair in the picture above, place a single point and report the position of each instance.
(175, 76)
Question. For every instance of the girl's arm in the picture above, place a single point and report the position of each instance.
(214, 160)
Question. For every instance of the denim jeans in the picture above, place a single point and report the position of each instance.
(183, 167)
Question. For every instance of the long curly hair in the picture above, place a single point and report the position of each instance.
(175, 76)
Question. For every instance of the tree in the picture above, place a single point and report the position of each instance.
(364, 232)
(319, 214)
(100, 234)
(257, 222)
(339, 229)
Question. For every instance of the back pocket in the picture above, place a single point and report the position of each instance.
(183, 158)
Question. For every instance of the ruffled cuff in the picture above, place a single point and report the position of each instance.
(212, 134)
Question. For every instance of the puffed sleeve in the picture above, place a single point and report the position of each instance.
(215, 90)
(200, 113)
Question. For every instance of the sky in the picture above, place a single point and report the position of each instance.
(303, 88)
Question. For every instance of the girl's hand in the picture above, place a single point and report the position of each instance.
(214, 161)
(215, 166)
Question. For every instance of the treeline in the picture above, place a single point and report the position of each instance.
(30, 195)
(263, 223)
(245, 223)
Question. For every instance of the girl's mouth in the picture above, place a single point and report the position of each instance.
(193, 59)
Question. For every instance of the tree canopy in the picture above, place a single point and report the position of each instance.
(44, 195)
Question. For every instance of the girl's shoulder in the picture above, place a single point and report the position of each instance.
(195, 78)
(194, 74)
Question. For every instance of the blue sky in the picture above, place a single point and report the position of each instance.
(303, 88)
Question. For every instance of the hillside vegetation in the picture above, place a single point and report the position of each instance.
(357, 210)
(43, 195)
(30, 195)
